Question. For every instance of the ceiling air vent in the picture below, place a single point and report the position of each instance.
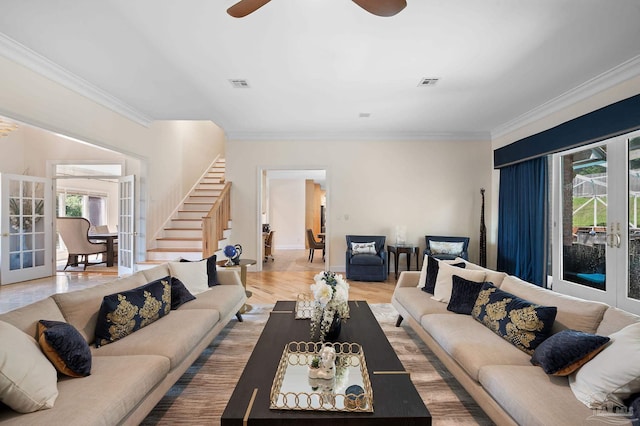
(428, 82)
(239, 83)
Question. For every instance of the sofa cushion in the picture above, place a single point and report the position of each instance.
(573, 313)
(168, 337)
(223, 299)
(614, 374)
(117, 385)
(366, 259)
(80, 308)
(128, 311)
(418, 303)
(523, 323)
(615, 319)
(566, 351)
(27, 378)
(179, 293)
(463, 295)
(156, 272)
(444, 282)
(493, 277)
(470, 343)
(65, 347)
(532, 397)
(429, 272)
(192, 274)
(26, 318)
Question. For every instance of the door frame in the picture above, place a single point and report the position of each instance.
(263, 197)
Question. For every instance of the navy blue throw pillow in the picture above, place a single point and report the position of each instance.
(123, 313)
(212, 271)
(65, 347)
(523, 323)
(634, 409)
(433, 267)
(566, 351)
(463, 295)
(179, 294)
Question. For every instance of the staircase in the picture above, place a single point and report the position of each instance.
(182, 236)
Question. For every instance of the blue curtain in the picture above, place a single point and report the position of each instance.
(522, 231)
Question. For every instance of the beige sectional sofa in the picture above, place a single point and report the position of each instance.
(498, 375)
(129, 376)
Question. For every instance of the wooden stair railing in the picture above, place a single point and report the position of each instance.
(216, 221)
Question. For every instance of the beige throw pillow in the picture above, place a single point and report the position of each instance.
(28, 381)
(192, 274)
(444, 282)
(612, 375)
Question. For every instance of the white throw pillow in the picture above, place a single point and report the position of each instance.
(613, 374)
(444, 282)
(28, 381)
(363, 248)
(192, 274)
(425, 262)
(446, 247)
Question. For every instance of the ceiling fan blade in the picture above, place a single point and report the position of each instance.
(245, 7)
(382, 7)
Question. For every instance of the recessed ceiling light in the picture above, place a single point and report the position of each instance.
(364, 115)
(428, 82)
(239, 83)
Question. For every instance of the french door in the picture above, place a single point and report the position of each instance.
(596, 218)
(26, 225)
(126, 225)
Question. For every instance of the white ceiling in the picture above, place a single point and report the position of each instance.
(314, 66)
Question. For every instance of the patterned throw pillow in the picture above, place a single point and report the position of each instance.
(65, 347)
(446, 247)
(363, 248)
(518, 321)
(566, 351)
(123, 313)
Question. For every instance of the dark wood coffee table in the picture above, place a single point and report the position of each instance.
(396, 401)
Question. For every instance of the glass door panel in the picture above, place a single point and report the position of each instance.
(584, 217)
(633, 288)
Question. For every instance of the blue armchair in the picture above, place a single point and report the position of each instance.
(367, 266)
(447, 253)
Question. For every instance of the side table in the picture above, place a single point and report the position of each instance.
(243, 277)
(397, 250)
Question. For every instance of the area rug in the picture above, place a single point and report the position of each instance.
(201, 394)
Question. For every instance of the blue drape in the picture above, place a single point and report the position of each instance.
(522, 232)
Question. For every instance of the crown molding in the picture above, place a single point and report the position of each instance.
(608, 79)
(358, 136)
(26, 57)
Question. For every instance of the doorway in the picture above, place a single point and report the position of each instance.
(292, 201)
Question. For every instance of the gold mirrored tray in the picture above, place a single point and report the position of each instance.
(293, 389)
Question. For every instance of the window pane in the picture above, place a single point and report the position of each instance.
(584, 217)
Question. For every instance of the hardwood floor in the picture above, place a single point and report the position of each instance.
(289, 275)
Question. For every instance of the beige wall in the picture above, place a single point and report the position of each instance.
(286, 212)
(372, 186)
(171, 154)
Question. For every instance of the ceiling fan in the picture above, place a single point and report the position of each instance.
(377, 7)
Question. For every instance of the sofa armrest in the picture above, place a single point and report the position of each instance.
(408, 279)
(229, 277)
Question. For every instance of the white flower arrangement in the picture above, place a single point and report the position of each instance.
(331, 295)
